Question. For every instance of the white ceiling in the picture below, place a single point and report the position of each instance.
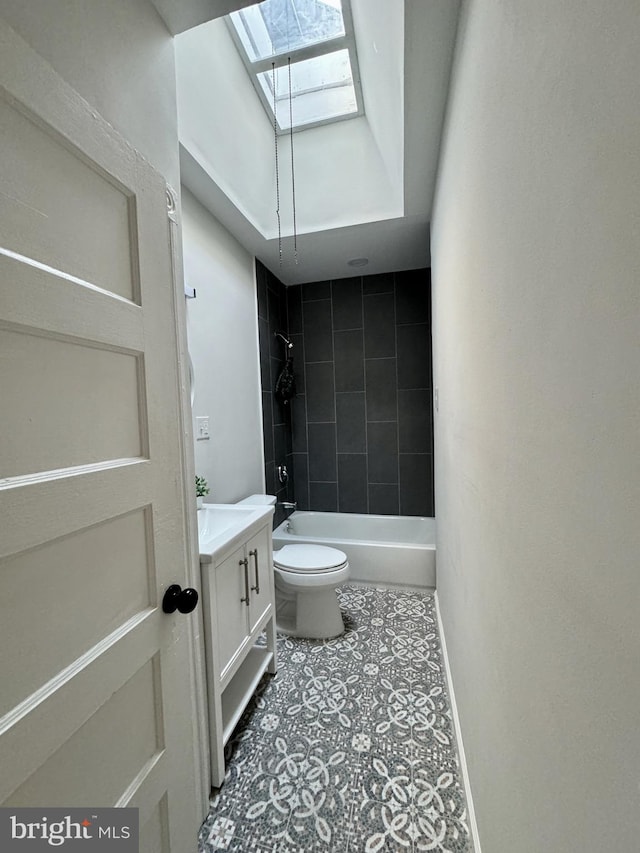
(364, 187)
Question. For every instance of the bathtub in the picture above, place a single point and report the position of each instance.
(396, 549)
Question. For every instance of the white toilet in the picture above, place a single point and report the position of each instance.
(306, 577)
(306, 600)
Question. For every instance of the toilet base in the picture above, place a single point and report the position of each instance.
(315, 615)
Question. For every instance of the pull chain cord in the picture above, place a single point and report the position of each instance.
(293, 172)
(275, 142)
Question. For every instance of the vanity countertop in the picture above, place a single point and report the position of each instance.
(223, 526)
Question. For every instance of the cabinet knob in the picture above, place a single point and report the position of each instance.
(176, 598)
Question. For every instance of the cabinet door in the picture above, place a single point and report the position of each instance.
(230, 609)
(259, 553)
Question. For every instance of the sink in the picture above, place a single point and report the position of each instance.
(214, 519)
(220, 525)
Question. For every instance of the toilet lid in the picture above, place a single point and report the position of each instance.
(308, 558)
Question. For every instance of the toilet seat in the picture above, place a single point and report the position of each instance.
(309, 559)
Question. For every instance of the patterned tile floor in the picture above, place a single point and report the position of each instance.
(350, 747)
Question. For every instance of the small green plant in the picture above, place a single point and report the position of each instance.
(202, 487)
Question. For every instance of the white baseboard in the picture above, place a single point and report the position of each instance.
(473, 826)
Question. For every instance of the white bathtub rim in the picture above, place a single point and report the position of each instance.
(280, 539)
(283, 533)
(362, 515)
(289, 538)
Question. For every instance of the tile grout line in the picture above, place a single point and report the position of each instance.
(306, 398)
(395, 316)
(432, 402)
(335, 402)
(364, 388)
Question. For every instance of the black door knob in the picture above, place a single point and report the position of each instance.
(176, 598)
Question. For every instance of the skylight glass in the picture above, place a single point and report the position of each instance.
(280, 26)
(321, 88)
(314, 38)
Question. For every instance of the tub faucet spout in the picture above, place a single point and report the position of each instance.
(288, 504)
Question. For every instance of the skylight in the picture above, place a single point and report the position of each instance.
(302, 60)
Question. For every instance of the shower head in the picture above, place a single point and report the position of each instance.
(282, 337)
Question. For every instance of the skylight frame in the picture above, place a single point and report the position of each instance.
(321, 48)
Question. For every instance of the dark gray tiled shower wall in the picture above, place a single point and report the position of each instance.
(276, 418)
(359, 435)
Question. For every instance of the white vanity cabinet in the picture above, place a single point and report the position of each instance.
(239, 618)
(243, 595)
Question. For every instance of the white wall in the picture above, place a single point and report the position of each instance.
(430, 34)
(222, 326)
(189, 13)
(536, 258)
(119, 56)
(379, 33)
(221, 121)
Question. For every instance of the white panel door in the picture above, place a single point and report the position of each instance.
(95, 703)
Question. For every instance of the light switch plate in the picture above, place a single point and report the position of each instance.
(202, 428)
